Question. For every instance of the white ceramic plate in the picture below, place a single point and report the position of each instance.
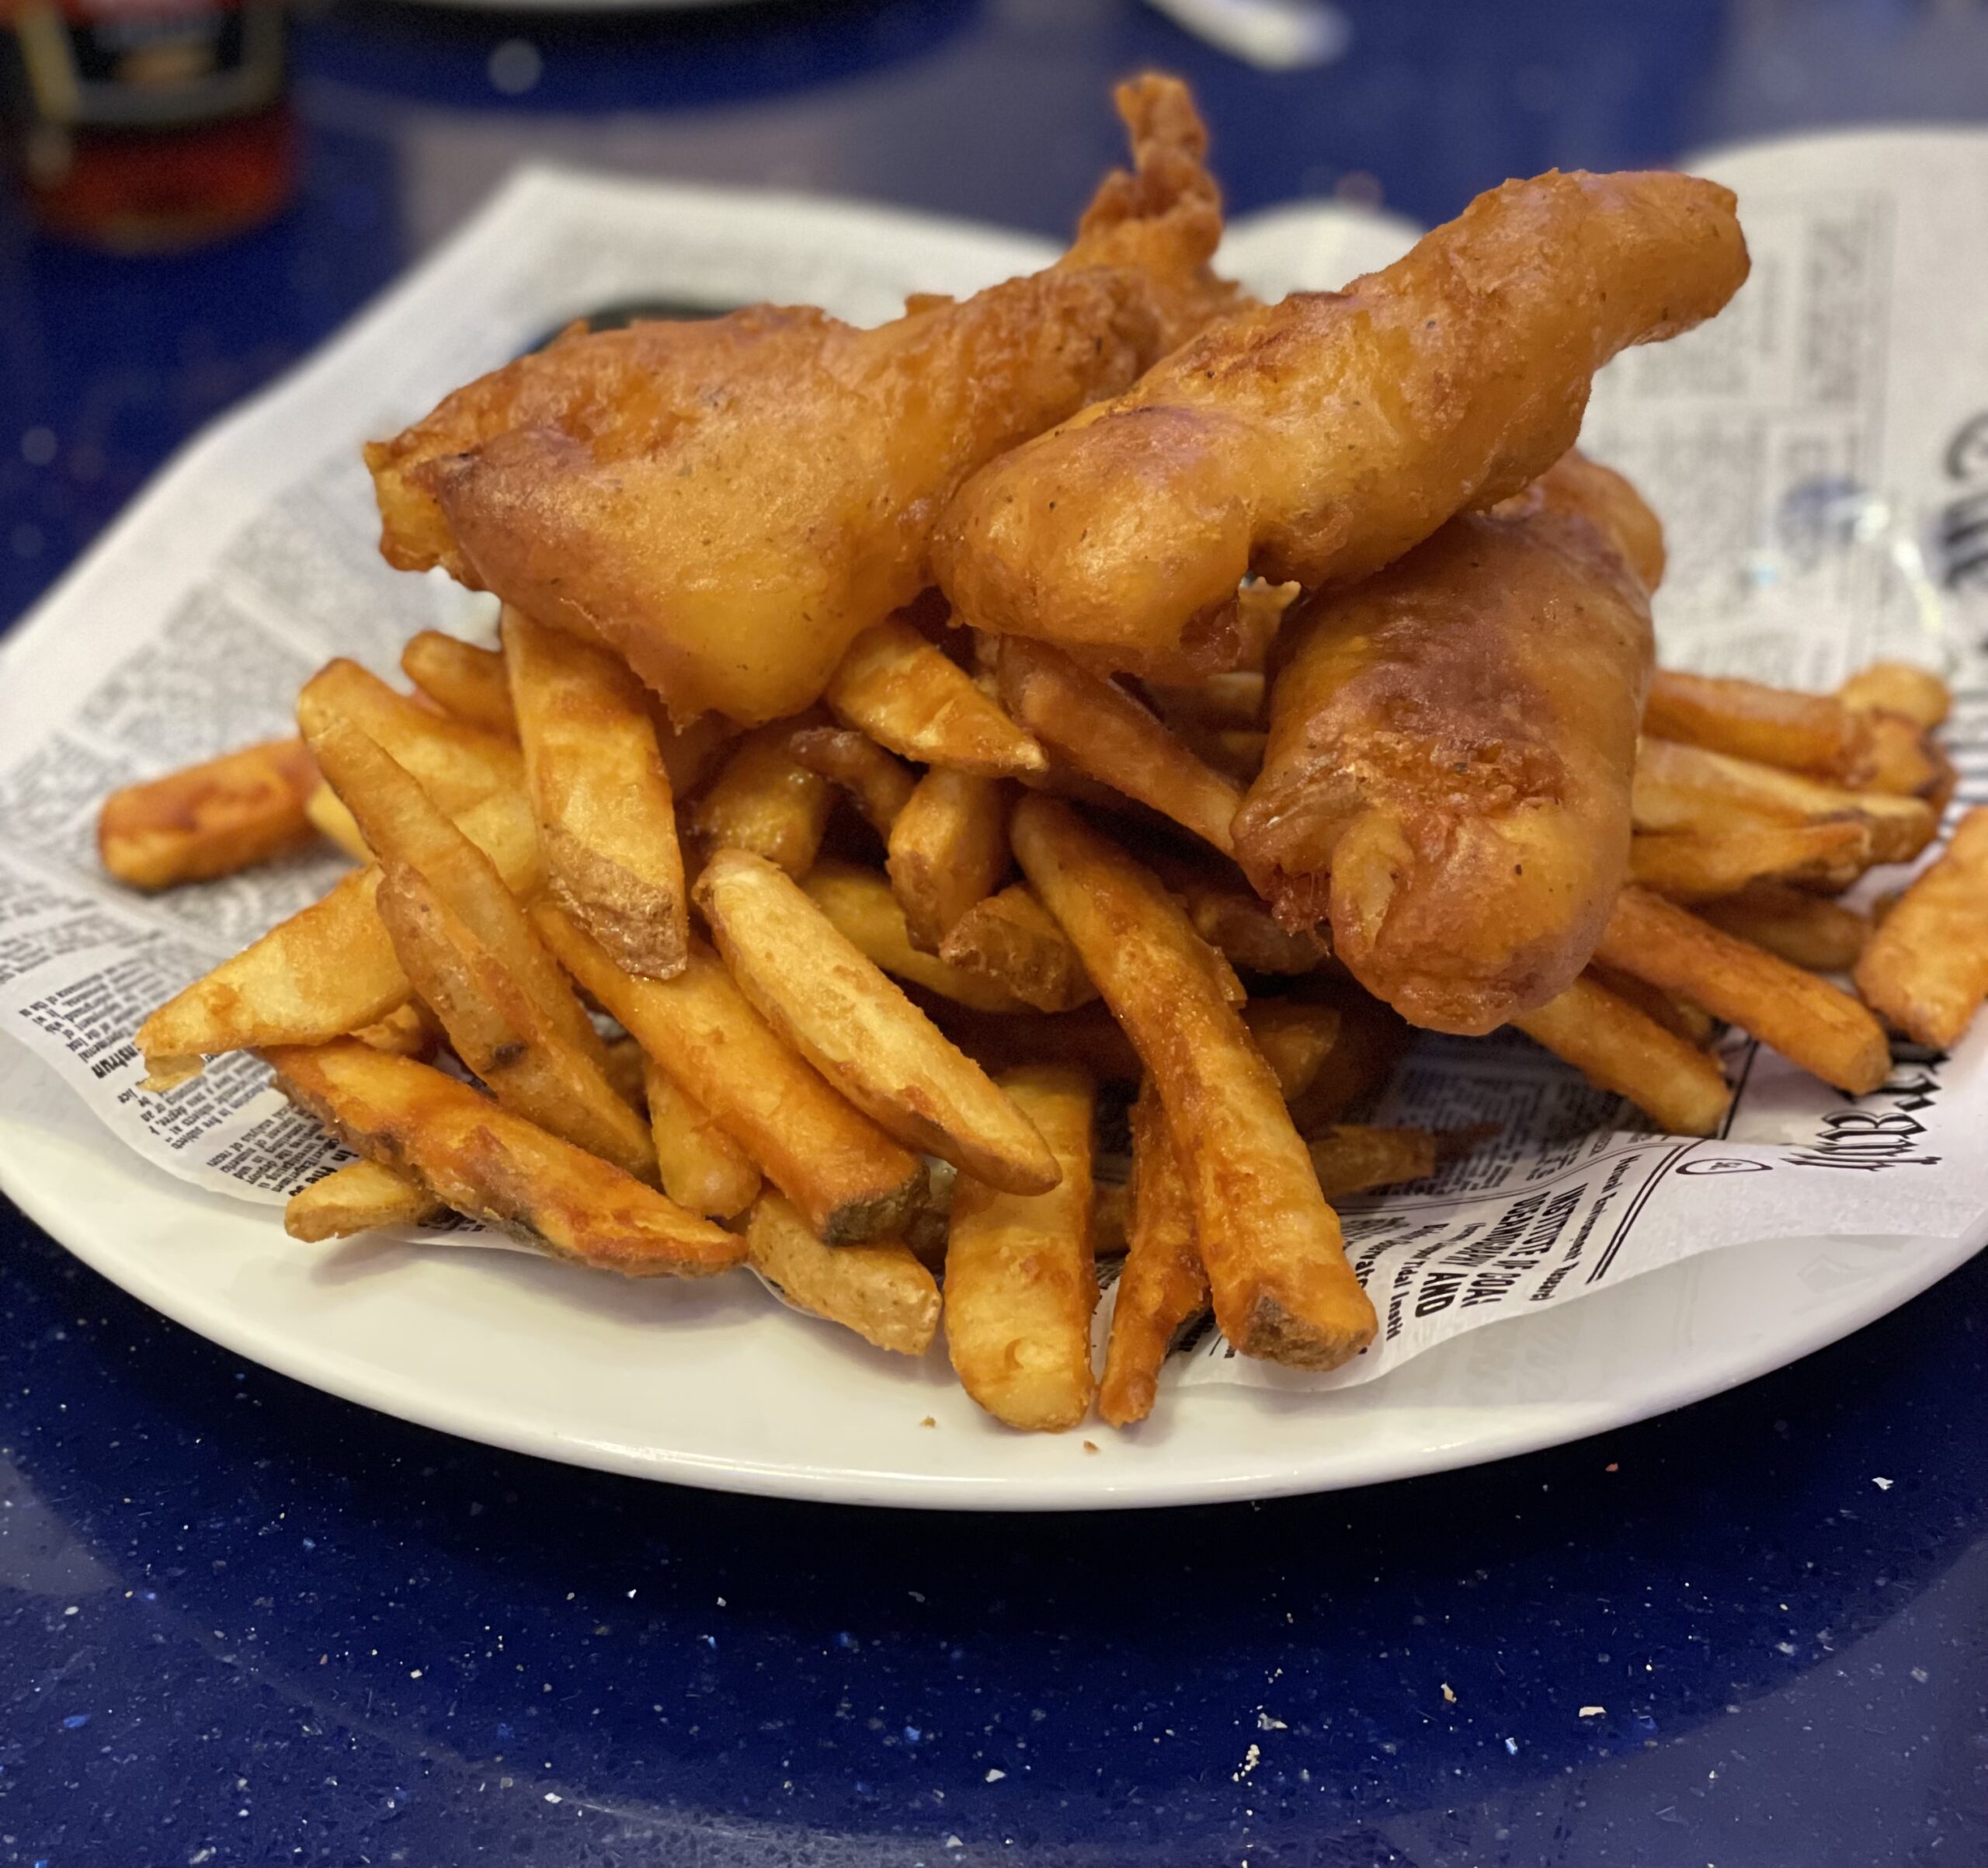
(712, 1385)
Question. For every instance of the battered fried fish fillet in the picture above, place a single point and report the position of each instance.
(729, 502)
(1320, 438)
(1451, 751)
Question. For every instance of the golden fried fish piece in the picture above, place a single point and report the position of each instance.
(730, 502)
(1450, 753)
(1320, 438)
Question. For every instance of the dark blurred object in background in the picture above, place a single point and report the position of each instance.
(140, 125)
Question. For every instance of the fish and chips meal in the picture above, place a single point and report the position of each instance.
(917, 766)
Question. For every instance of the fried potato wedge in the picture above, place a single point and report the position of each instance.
(1013, 942)
(1800, 733)
(1619, 1049)
(334, 823)
(1020, 1285)
(498, 1027)
(1355, 1158)
(1926, 967)
(362, 1196)
(458, 765)
(461, 679)
(1805, 930)
(1806, 1019)
(1898, 688)
(1240, 699)
(881, 783)
(409, 1031)
(766, 801)
(1092, 1038)
(947, 849)
(1700, 866)
(1238, 924)
(1163, 1285)
(849, 1178)
(1684, 787)
(815, 988)
(468, 951)
(1297, 1038)
(702, 1168)
(327, 971)
(1108, 735)
(210, 820)
(894, 686)
(1672, 1010)
(1901, 758)
(479, 1159)
(1277, 1265)
(863, 910)
(1372, 1037)
(606, 817)
(881, 1291)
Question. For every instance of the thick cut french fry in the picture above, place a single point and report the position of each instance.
(627, 1070)
(335, 823)
(1238, 924)
(1695, 866)
(702, 1168)
(1676, 1014)
(910, 697)
(1354, 1158)
(1163, 1285)
(840, 1011)
(482, 1160)
(327, 971)
(881, 1291)
(461, 679)
(458, 765)
(1800, 733)
(1011, 941)
(691, 752)
(852, 1182)
(1020, 1284)
(1617, 1049)
(209, 820)
(401, 821)
(469, 951)
(1108, 735)
(767, 802)
(1806, 1019)
(1372, 1036)
(1686, 788)
(607, 818)
(1926, 967)
(1111, 1218)
(499, 1027)
(1897, 687)
(361, 1197)
(1276, 1262)
(881, 783)
(1239, 700)
(410, 1031)
(1901, 759)
(864, 911)
(948, 849)
(1296, 1037)
(1803, 929)
(1090, 1037)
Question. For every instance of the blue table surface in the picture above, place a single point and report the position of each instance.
(241, 1622)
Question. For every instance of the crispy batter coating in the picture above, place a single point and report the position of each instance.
(1452, 746)
(1320, 439)
(730, 502)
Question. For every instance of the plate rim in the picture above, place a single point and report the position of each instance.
(331, 1371)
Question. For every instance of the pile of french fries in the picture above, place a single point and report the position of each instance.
(835, 998)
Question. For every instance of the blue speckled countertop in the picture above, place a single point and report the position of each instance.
(241, 1621)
